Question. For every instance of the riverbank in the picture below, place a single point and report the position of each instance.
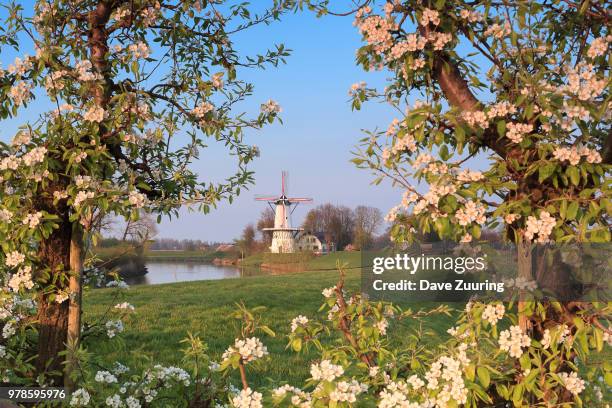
(297, 262)
(165, 313)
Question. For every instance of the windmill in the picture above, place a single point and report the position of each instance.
(283, 234)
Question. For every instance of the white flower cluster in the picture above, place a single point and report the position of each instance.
(433, 196)
(541, 227)
(270, 107)
(562, 332)
(105, 377)
(498, 31)
(299, 398)
(471, 212)
(510, 218)
(582, 81)
(573, 154)
(599, 46)
(429, 16)
(297, 322)
(467, 176)
(23, 277)
(5, 215)
(14, 258)
(517, 131)
(165, 374)
(34, 156)
(471, 16)
(113, 327)
(139, 50)
(79, 157)
(572, 382)
(137, 199)
(83, 70)
(248, 399)
(249, 349)
(329, 292)
(95, 114)
(20, 92)
(81, 197)
(20, 67)
(32, 220)
(325, 371)
(513, 341)
(493, 313)
(202, 109)
(217, 80)
(347, 391)
(395, 395)
(410, 44)
(150, 15)
(454, 331)
(80, 398)
(521, 283)
(10, 162)
(356, 87)
(446, 375)
(439, 40)
(466, 238)
(382, 325)
(132, 402)
(415, 382)
(124, 306)
(501, 109)
(8, 330)
(114, 401)
(21, 138)
(118, 284)
(476, 118)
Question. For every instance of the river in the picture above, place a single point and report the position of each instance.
(177, 271)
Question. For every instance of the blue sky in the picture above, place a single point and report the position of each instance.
(318, 132)
(314, 142)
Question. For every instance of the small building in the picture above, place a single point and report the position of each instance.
(313, 242)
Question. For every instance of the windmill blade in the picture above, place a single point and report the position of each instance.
(286, 183)
(266, 198)
(300, 199)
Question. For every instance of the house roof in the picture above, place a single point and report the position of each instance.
(320, 236)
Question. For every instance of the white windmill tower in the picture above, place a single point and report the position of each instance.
(283, 234)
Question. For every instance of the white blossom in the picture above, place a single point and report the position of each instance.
(513, 341)
(325, 371)
(79, 398)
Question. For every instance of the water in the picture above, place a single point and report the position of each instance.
(170, 272)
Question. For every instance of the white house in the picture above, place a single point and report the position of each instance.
(312, 242)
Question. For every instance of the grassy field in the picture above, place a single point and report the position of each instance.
(165, 313)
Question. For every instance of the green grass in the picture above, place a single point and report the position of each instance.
(311, 262)
(165, 313)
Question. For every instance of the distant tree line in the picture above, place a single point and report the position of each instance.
(337, 224)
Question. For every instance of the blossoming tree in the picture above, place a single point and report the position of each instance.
(522, 86)
(130, 92)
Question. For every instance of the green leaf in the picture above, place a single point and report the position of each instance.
(574, 174)
(483, 376)
(444, 154)
(501, 128)
(296, 344)
(546, 171)
(572, 211)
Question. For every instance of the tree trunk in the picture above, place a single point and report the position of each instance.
(524, 272)
(54, 253)
(74, 308)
